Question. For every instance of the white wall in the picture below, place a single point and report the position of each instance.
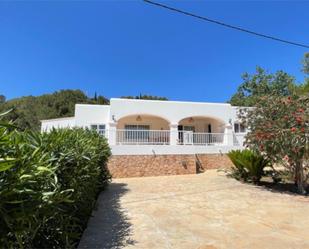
(47, 125)
(172, 111)
(170, 149)
(85, 115)
(154, 122)
(201, 124)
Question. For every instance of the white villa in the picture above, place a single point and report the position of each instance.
(152, 127)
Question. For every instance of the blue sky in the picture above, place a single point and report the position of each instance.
(120, 48)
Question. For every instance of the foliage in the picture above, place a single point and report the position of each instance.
(262, 84)
(279, 129)
(48, 185)
(301, 89)
(306, 63)
(248, 165)
(2, 99)
(28, 111)
(149, 97)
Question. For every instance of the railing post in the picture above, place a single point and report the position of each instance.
(112, 133)
(173, 134)
(228, 135)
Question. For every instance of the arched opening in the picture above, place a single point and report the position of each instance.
(143, 129)
(201, 130)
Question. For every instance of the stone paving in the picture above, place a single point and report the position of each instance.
(204, 211)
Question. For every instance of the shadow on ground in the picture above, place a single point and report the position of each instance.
(109, 226)
(284, 188)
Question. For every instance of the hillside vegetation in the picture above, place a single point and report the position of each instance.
(28, 111)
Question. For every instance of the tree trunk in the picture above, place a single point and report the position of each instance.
(300, 178)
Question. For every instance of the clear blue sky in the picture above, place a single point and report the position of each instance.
(129, 47)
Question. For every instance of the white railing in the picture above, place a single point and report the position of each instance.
(162, 137)
(143, 137)
(239, 139)
(200, 138)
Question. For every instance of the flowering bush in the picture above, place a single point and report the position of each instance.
(48, 185)
(279, 129)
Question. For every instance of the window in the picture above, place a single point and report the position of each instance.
(137, 127)
(100, 128)
(189, 128)
(239, 128)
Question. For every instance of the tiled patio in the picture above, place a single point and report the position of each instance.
(206, 210)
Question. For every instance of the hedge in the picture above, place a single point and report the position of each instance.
(48, 185)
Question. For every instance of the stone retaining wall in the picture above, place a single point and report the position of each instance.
(156, 165)
(214, 161)
(151, 165)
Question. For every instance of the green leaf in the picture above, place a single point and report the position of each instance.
(6, 163)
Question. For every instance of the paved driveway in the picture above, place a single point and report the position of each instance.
(206, 210)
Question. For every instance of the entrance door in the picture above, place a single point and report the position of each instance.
(180, 134)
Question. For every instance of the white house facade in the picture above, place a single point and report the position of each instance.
(148, 127)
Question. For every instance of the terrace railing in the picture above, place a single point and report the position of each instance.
(162, 137)
(156, 137)
(200, 138)
(239, 139)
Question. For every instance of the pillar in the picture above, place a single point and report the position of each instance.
(173, 134)
(112, 133)
(228, 135)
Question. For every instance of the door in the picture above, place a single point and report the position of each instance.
(180, 134)
(188, 134)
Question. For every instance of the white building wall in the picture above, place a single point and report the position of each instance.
(201, 124)
(153, 122)
(170, 149)
(173, 111)
(47, 125)
(85, 115)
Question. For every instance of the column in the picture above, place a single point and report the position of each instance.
(228, 135)
(112, 133)
(173, 134)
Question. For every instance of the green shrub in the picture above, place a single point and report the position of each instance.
(48, 185)
(247, 165)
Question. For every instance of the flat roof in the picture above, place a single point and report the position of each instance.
(168, 101)
(54, 119)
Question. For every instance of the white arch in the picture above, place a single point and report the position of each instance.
(143, 114)
(203, 117)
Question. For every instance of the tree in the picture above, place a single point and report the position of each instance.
(2, 99)
(306, 63)
(28, 111)
(262, 84)
(301, 89)
(149, 97)
(101, 100)
(279, 129)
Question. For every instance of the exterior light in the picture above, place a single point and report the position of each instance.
(139, 118)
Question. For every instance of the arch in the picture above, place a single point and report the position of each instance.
(153, 122)
(203, 124)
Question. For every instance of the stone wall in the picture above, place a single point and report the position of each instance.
(151, 165)
(156, 165)
(214, 161)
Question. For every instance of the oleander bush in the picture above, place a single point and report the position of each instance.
(279, 129)
(248, 165)
(48, 185)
